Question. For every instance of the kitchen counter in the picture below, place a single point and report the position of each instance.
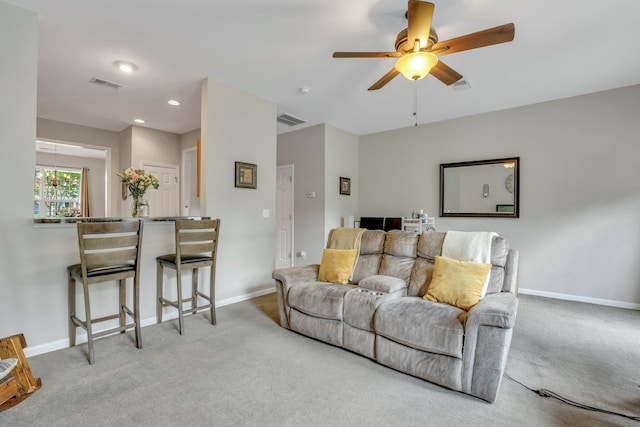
(73, 220)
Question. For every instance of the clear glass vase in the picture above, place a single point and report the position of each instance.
(135, 209)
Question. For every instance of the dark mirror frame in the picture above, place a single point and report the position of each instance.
(516, 189)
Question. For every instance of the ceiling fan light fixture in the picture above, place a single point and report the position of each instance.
(416, 65)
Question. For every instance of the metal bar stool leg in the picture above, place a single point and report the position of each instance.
(180, 315)
(122, 284)
(72, 311)
(159, 290)
(212, 293)
(136, 309)
(87, 310)
(194, 290)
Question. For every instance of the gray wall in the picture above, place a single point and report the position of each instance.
(238, 126)
(156, 146)
(305, 149)
(341, 160)
(579, 229)
(320, 154)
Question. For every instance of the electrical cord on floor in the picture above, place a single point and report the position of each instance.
(548, 393)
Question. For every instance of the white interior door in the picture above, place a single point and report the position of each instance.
(165, 200)
(284, 217)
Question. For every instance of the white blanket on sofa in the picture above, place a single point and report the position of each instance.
(474, 246)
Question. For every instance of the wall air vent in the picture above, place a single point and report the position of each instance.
(290, 120)
(461, 84)
(106, 83)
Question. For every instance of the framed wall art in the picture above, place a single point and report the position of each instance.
(246, 175)
(345, 186)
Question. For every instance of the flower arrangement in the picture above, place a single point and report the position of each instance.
(138, 181)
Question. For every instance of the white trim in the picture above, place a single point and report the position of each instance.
(567, 297)
(82, 337)
(183, 177)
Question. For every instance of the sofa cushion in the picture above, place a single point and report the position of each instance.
(396, 266)
(420, 277)
(499, 251)
(336, 265)
(430, 244)
(367, 265)
(422, 325)
(380, 283)
(372, 242)
(319, 299)
(457, 283)
(401, 243)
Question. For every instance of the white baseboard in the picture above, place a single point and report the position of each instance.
(597, 301)
(82, 337)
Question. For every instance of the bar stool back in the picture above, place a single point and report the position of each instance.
(108, 251)
(196, 246)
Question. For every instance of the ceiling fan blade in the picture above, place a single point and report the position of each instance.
(367, 54)
(501, 34)
(445, 74)
(385, 79)
(419, 15)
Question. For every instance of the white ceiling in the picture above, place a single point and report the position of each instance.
(271, 48)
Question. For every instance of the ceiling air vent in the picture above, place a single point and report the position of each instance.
(290, 120)
(461, 84)
(102, 82)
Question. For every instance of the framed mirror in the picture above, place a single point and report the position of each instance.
(483, 188)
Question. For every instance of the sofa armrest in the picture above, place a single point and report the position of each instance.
(285, 279)
(381, 283)
(498, 310)
(289, 276)
(488, 332)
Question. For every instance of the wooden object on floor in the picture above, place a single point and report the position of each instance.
(109, 251)
(196, 246)
(20, 383)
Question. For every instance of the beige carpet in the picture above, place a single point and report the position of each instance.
(248, 371)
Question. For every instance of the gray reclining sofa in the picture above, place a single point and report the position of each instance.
(381, 314)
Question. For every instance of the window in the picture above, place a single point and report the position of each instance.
(56, 192)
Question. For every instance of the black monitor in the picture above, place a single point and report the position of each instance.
(392, 224)
(372, 222)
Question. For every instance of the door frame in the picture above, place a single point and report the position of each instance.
(184, 179)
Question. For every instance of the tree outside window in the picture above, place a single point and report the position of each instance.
(56, 192)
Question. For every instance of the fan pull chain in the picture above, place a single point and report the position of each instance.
(415, 102)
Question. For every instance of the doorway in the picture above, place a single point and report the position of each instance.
(165, 200)
(284, 217)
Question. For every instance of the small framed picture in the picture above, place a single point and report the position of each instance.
(246, 175)
(345, 186)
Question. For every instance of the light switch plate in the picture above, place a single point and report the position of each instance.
(266, 213)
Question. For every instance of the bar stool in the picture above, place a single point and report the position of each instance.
(108, 251)
(196, 246)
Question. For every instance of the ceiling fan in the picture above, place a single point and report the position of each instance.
(417, 47)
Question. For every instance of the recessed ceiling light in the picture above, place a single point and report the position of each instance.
(139, 121)
(125, 66)
(173, 102)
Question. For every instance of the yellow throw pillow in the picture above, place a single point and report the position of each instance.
(457, 283)
(336, 265)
